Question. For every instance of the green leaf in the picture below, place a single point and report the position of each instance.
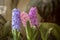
(35, 33)
(48, 33)
(30, 32)
(47, 28)
(16, 35)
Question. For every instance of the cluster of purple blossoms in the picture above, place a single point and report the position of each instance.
(16, 21)
(33, 16)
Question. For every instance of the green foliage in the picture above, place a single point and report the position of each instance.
(30, 32)
(47, 28)
(16, 35)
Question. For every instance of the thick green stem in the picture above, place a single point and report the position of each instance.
(16, 35)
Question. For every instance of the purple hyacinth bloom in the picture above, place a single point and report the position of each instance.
(33, 16)
(16, 19)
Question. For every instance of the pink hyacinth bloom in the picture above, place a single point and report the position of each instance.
(33, 16)
(24, 18)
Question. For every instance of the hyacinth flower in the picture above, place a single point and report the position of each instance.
(33, 16)
(24, 18)
(16, 21)
(32, 21)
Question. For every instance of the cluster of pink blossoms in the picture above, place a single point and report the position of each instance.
(24, 18)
